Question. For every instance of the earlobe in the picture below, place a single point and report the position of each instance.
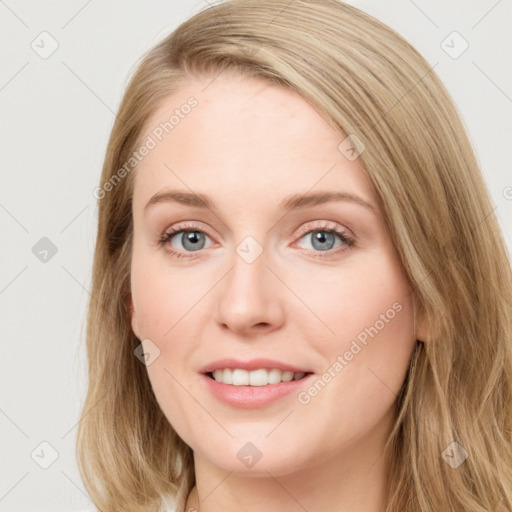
(422, 330)
(421, 335)
(422, 326)
(133, 317)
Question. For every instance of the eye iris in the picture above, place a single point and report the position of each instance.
(192, 237)
(323, 240)
(321, 237)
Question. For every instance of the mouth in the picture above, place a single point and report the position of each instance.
(253, 384)
(257, 377)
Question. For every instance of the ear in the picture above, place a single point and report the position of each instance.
(133, 317)
(424, 329)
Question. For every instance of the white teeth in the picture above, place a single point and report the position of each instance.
(240, 377)
(260, 377)
(274, 376)
(287, 376)
(227, 377)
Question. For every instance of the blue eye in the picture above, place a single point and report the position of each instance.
(324, 239)
(192, 239)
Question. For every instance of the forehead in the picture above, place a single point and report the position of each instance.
(247, 137)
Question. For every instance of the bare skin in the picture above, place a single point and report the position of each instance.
(248, 145)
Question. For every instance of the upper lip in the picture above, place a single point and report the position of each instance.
(252, 364)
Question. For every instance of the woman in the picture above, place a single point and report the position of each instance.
(339, 336)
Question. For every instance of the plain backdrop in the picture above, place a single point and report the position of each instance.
(64, 68)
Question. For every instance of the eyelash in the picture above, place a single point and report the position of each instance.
(347, 240)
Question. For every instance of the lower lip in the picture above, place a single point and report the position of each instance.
(253, 397)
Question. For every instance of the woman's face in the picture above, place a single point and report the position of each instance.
(260, 281)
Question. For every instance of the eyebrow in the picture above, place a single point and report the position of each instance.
(292, 202)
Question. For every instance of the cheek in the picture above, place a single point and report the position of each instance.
(370, 310)
(160, 298)
(367, 318)
(378, 305)
(165, 313)
(369, 289)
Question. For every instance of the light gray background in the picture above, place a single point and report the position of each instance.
(57, 113)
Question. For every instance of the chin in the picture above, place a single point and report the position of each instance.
(276, 465)
(254, 455)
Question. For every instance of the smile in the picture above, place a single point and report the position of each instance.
(258, 377)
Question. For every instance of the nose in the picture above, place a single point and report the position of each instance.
(249, 298)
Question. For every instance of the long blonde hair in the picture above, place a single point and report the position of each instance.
(367, 81)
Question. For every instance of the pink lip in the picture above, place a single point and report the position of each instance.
(252, 397)
(253, 364)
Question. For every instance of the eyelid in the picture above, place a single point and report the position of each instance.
(325, 224)
(329, 226)
(187, 226)
(303, 229)
(183, 227)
